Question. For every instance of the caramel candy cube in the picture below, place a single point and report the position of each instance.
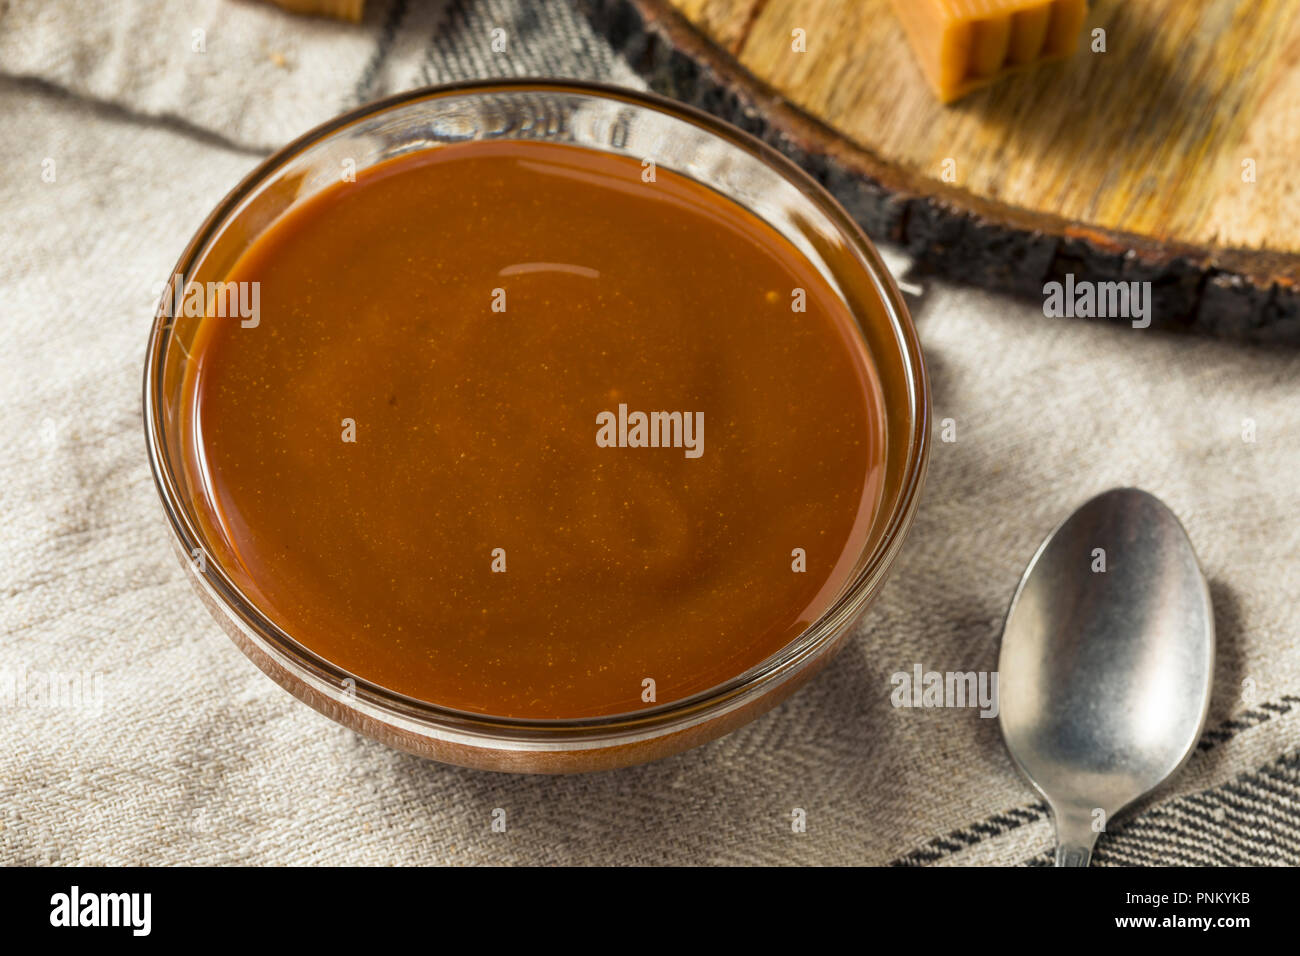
(965, 44)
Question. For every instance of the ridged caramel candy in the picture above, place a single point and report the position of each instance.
(965, 44)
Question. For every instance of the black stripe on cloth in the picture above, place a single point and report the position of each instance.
(1252, 820)
(960, 839)
(550, 40)
(1251, 718)
(387, 36)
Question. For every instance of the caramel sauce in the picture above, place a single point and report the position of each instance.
(472, 311)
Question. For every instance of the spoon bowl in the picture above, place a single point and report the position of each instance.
(1106, 663)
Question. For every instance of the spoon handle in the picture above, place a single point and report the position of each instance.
(1074, 838)
(1069, 855)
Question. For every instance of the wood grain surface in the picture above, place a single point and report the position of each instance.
(1172, 156)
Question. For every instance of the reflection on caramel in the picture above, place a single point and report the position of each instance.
(471, 311)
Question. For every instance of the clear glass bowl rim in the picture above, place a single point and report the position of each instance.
(663, 718)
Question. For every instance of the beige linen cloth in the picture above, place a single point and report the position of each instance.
(122, 123)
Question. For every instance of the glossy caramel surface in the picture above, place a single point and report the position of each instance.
(399, 462)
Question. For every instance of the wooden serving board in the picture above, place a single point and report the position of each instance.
(1135, 163)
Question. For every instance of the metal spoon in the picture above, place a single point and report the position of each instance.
(1104, 675)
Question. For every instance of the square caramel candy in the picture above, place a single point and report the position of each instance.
(962, 45)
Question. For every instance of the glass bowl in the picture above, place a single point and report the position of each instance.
(638, 125)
